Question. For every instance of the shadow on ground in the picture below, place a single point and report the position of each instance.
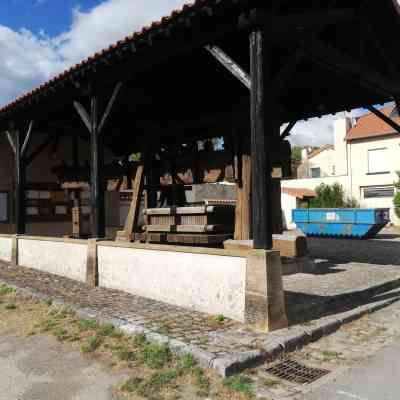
(303, 307)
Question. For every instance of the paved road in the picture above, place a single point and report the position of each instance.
(39, 368)
(376, 378)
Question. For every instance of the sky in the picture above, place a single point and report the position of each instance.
(41, 38)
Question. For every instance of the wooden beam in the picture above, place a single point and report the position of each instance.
(11, 141)
(83, 114)
(20, 177)
(384, 118)
(288, 130)
(230, 65)
(27, 138)
(333, 59)
(133, 215)
(110, 106)
(96, 181)
(41, 147)
(261, 100)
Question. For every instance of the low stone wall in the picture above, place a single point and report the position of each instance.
(243, 285)
(67, 258)
(6, 243)
(212, 283)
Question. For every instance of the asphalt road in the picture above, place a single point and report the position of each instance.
(377, 378)
(39, 368)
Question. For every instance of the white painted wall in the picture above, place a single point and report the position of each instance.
(56, 257)
(289, 203)
(5, 249)
(212, 284)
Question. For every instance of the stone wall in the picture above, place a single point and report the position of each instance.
(243, 285)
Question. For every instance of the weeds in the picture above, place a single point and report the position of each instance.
(5, 289)
(91, 345)
(87, 324)
(10, 306)
(239, 383)
(154, 355)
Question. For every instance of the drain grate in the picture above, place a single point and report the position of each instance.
(293, 371)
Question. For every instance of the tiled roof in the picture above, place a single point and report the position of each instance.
(320, 150)
(299, 193)
(369, 126)
(129, 42)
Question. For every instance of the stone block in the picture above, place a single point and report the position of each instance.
(265, 301)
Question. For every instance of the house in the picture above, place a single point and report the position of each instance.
(364, 160)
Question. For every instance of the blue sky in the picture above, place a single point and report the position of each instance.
(41, 38)
(52, 16)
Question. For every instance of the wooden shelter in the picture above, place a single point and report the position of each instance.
(236, 68)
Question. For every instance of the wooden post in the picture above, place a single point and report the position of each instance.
(20, 178)
(261, 139)
(95, 127)
(97, 180)
(243, 222)
(19, 147)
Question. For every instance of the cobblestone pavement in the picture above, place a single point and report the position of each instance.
(308, 296)
(336, 353)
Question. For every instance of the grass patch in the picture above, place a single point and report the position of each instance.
(10, 306)
(61, 334)
(140, 340)
(239, 383)
(271, 382)
(5, 289)
(123, 353)
(106, 330)
(87, 324)
(330, 355)
(220, 318)
(92, 344)
(154, 355)
(48, 302)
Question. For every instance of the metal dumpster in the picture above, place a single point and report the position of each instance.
(362, 223)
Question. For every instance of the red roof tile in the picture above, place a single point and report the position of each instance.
(370, 125)
(300, 193)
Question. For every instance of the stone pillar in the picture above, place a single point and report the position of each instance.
(92, 269)
(265, 299)
(14, 250)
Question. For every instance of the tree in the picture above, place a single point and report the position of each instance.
(332, 196)
(396, 200)
(296, 159)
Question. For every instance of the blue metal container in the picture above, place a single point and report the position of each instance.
(363, 223)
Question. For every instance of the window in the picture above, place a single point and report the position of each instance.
(378, 191)
(378, 161)
(4, 217)
(315, 172)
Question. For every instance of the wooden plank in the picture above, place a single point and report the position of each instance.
(133, 215)
(288, 130)
(27, 138)
(191, 239)
(20, 178)
(230, 65)
(110, 106)
(243, 225)
(83, 114)
(11, 141)
(188, 228)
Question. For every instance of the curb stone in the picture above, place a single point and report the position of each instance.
(275, 345)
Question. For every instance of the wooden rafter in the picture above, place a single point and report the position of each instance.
(384, 118)
(288, 130)
(235, 69)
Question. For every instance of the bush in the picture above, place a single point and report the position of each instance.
(396, 202)
(332, 196)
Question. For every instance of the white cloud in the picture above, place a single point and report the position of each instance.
(29, 59)
(318, 131)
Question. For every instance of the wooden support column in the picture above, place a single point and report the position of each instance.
(243, 220)
(95, 127)
(98, 213)
(263, 128)
(19, 146)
